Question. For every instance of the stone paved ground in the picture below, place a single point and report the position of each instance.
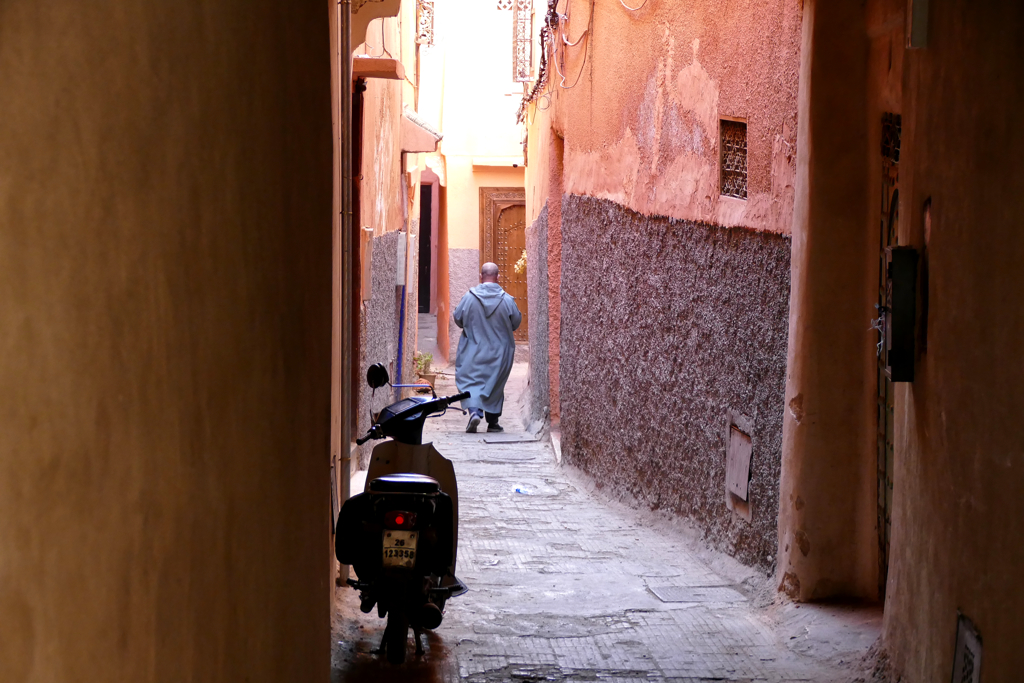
(563, 587)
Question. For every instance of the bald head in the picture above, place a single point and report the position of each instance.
(489, 272)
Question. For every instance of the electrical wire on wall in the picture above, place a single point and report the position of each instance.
(546, 41)
(383, 47)
(383, 43)
(633, 9)
(586, 47)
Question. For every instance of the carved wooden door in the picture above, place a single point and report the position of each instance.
(510, 245)
(503, 241)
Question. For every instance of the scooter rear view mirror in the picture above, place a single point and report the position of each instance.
(377, 376)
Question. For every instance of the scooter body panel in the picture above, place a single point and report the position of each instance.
(392, 457)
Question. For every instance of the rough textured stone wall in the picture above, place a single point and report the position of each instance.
(463, 274)
(378, 341)
(537, 298)
(666, 326)
(412, 303)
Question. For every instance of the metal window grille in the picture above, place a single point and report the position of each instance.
(522, 40)
(425, 22)
(733, 159)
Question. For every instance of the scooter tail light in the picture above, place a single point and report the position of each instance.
(399, 519)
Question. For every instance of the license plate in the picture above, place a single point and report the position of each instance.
(400, 548)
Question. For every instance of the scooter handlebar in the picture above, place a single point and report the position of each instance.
(376, 432)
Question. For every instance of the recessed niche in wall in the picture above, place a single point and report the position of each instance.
(732, 158)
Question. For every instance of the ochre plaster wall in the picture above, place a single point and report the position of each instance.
(464, 183)
(165, 317)
(478, 98)
(555, 185)
(958, 515)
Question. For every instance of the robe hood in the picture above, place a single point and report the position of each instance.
(490, 294)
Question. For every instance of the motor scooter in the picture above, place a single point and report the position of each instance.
(401, 534)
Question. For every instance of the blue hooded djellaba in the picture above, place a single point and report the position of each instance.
(488, 316)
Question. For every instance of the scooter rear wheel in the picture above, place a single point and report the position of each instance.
(396, 636)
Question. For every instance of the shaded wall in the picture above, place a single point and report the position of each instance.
(828, 535)
(666, 327)
(379, 333)
(165, 318)
(537, 292)
(444, 310)
(958, 497)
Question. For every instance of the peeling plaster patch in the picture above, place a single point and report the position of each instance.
(803, 542)
(697, 91)
(783, 176)
(666, 160)
(790, 585)
(796, 408)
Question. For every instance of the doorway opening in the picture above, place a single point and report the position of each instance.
(426, 251)
(888, 222)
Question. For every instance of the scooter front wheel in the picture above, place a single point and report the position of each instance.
(396, 636)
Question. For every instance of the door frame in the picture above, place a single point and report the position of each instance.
(493, 200)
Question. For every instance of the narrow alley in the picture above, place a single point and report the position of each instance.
(567, 585)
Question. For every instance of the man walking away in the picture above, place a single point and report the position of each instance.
(488, 316)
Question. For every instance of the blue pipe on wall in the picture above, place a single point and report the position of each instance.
(401, 338)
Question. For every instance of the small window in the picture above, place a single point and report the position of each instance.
(522, 41)
(733, 159)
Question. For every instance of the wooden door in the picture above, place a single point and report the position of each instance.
(503, 241)
(510, 245)
(888, 223)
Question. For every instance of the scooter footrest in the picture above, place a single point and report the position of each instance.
(453, 587)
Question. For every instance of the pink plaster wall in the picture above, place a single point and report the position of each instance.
(641, 125)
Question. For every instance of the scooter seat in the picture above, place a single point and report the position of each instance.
(405, 483)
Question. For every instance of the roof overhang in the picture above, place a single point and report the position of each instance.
(417, 134)
(377, 67)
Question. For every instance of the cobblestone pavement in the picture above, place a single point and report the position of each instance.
(564, 587)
